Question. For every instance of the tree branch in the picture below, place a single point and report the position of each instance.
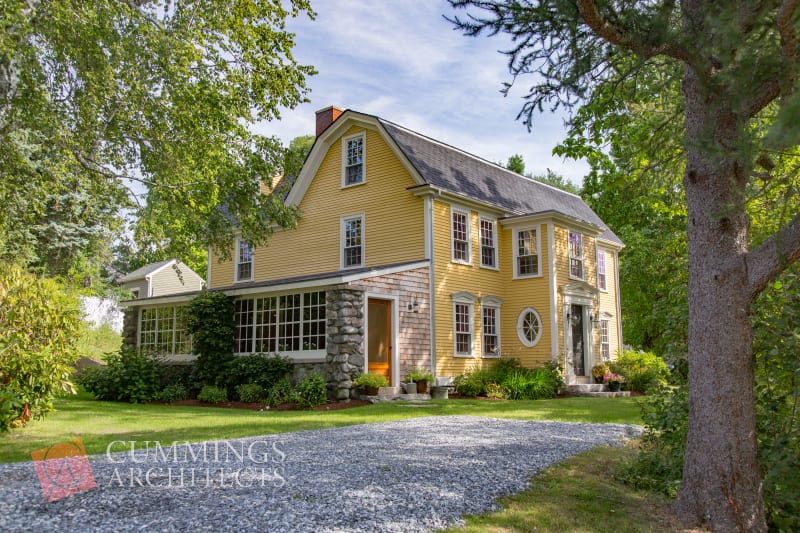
(788, 42)
(773, 256)
(761, 98)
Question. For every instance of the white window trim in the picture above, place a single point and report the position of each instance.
(363, 135)
(455, 209)
(342, 221)
(464, 298)
(495, 237)
(491, 303)
(607, 322)
(602, 252)
(583, 257)
(515, 241)
(236, 278)
(520, 321)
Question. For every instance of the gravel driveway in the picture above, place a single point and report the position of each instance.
(412, 475)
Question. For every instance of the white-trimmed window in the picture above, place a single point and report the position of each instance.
(459, 223)
(352, 239)
(526, 253)
(605, 345)
(529, 327)
(353, 160)
(163, 330)
(244, 261)
(490, 323)
(602, 283)
(463, 312)
(575, 255)
(488, 243)
(278, 324)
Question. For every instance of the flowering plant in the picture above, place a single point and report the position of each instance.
(613, 378)
(600, 371)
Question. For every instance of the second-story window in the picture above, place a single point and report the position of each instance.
(575, 255)
(602, 284)
(488, 246)
(460, 233)
(353, 241)
(527, 254)
(353, 160)
(244, 262)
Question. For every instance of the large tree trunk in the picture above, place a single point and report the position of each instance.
(721, 478)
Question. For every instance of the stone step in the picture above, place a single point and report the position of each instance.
(618, 394)
(389, 397)
(586, 387)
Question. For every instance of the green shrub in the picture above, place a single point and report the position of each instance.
(10, 407)
(311, 391)
(372, 380)
(417, 375)
(473, 383)
(39, 326)
(531, 384)
(174, 373)
(210, 321)
(129, 376)
(281, 392)
(262, 369)
(500, 368)
(250, 392)
(644, 371)
(494, 390)
(212, 394)
(173, 393)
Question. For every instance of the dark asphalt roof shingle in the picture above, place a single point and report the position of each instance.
(140, 273)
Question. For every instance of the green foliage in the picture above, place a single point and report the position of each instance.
(10, 407)
(493, 390)
(419, 375)
(129, 376)
(295, 156)
(210, 321)
(173, 393)
(644, 371)
(500, 368)
(212, 394)
(472, 384)
(262, 369)
(531, 384)
(281, 392)
(250, 392)
(173, 373)
(40, 323)
(96, 342)
(311, 391)
(372, 380)
(516, 164)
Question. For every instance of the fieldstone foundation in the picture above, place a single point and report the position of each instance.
(130, 325)
(345, 340)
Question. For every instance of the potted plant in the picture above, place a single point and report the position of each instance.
(614, 381)
(370, 383)
(599, 372)
(421, 378)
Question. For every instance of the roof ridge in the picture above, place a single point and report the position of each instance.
(476, 157)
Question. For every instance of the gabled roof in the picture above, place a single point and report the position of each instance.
(464, 174)
(141, 273)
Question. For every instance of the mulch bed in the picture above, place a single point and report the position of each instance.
(261, 407)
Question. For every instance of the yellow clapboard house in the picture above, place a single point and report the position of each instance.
(412, 254)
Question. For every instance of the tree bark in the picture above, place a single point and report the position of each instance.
(721, 478)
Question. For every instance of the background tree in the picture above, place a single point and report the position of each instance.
(145, 107)
(517, 164)
(737, 64)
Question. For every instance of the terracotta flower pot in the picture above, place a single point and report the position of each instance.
(422, 386)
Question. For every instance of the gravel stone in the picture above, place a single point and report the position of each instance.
(420, 474)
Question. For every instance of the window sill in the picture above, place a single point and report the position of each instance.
(243, 280)
(576, 278)
(457, 262)
(490, 356)
(486, 267)
(351, 185)
(351, 267)
(530, 276)
(464, 356)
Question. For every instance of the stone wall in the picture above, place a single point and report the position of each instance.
(130, 325)
(345, 340)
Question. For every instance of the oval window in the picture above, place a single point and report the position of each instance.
(529, 327)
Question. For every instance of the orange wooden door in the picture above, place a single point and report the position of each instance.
(379, 337)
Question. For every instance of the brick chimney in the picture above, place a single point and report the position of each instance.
(326, 117)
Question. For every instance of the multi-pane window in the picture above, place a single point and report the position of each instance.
(460, 229)
(529, 327)
(163, 330)
(488, 245)
(527, 256)
(275, 324)
(463, 328)
(353, 241)
(575, 255)
(244, 262)
(354, 161)
(605, 345)
(601, 270)
(491, 331)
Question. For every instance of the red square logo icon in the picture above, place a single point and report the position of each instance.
(63, 469)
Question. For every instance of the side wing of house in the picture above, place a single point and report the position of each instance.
(173, 279)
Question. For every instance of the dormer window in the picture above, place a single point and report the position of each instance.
(244, 262)
(353, 157)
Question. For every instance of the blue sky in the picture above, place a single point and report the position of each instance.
(402, 61)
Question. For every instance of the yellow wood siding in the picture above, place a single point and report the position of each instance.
(393, 219)
(608, 303)
(516, 295)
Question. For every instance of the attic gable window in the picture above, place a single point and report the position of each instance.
(575, 255)
(353, 160)
(459, 222)
(244, 261)
(352, 238)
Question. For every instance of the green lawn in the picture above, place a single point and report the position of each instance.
(100, 423)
